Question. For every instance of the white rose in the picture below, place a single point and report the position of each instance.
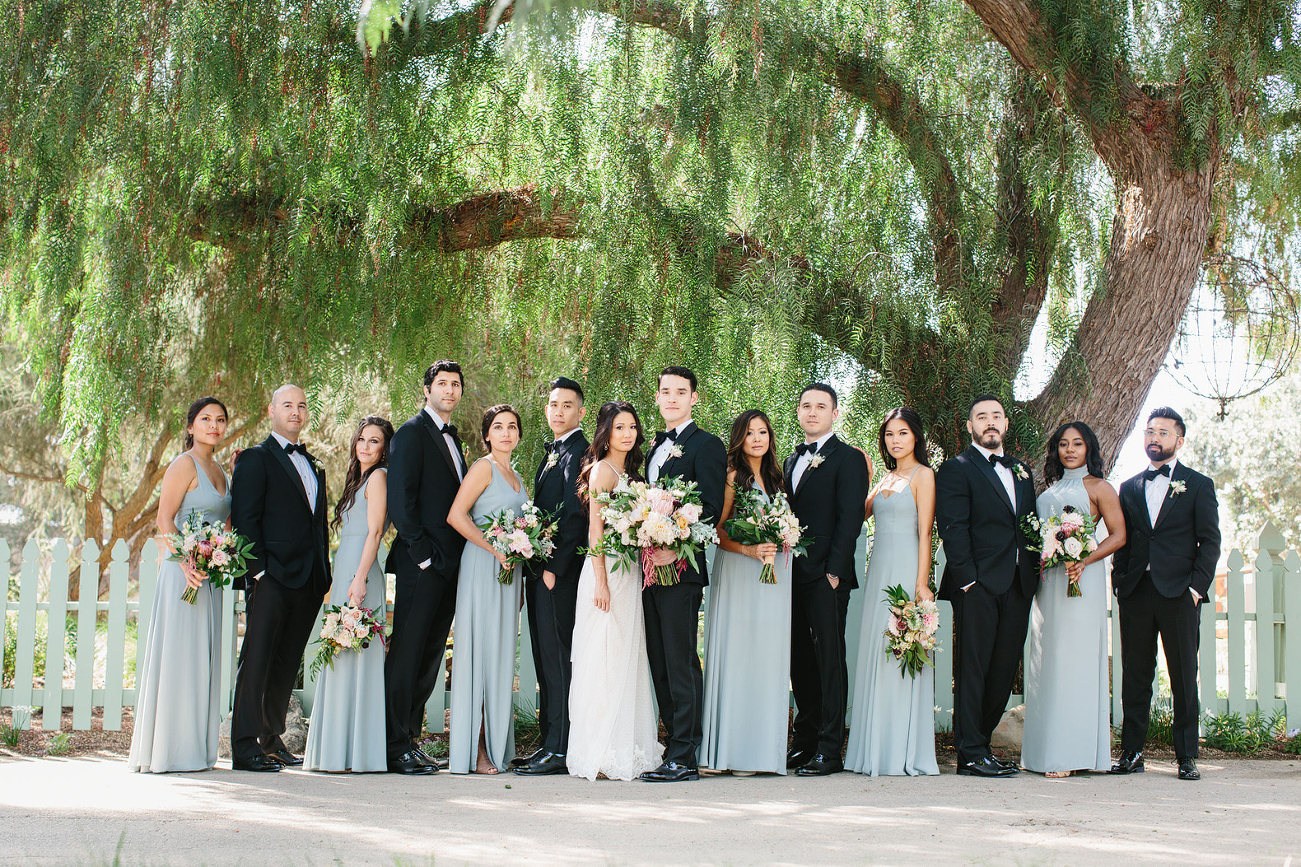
(1074, 548)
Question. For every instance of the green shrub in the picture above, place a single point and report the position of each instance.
(1233, 734)
(8, 736)
(1160, 726)
(1292, 742)
(11, 646)
(58, 744)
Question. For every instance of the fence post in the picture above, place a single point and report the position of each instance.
(83, 693)
(1264, 579)
(229, 634)
(943, 652)
(55, 646)
(144, 604)
(1237, 633)
(116, 646)
(25, 658)
(1291, 673)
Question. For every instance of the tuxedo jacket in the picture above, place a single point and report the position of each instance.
(703, 461)
(269, 506)
(830, 503)
(422, 483)
(555, 491)
(984, 538)
(1182, 547)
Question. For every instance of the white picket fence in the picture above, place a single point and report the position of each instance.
(1241, 656)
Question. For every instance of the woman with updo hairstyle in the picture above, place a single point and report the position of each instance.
(179, 682)
(892, 726)
(347, 731)
(482, 735)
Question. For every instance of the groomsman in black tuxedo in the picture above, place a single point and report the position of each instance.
(551, 588)
(828, 481)
(687, 452)
(1161, 577)
(981, 498)
(278, 501)
(426, 466)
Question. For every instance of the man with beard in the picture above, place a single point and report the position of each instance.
(1161, 577)
(982, 497)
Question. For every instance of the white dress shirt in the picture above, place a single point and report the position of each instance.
(1155, 491)
(305, 471)
(661, 455)
(803, 461)
(447, 438)
(1004, 473)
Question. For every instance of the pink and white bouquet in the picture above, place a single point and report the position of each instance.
(757, 520)
(640, 517)
(910, 630)
(1064, 538)
(521, 538)
(348, 627)
(220, 555)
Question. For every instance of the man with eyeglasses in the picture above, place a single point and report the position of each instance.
(1161, 577)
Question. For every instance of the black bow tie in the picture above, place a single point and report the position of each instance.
(290, 448)
(806, 448)
(995, 460)
(552, 446)
(450, 430)
(1149, 475)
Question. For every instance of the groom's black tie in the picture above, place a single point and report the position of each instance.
(995, 460)
(550, 447)
(806, 448)
(1163, 470)
(290, 448)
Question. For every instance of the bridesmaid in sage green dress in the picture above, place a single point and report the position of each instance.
(748, 631)
(486, 630)
(892, 724)
(347, 728)
(1067, 685)
(179, 683)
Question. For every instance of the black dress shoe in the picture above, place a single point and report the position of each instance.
(286, 758)
(1007, 763)
(424, 757)
(1130, 762)
(256, 763)
(670, 772)
(798, 759)
(520, 761)
(985, 766)
(544, 765)
(821, 766)
(410, 763)
(1188, 770)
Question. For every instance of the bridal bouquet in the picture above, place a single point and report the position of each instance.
(1064, 538)
(521, 538)
(640, 517)
(218, 554)
(910, 631)
(756, 520)
(348, 627)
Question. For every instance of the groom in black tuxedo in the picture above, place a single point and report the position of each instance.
(687, 452)
(278, 501)
(828, 481)
(1161, 577)
(981, 498)
(551, 588)
(426, 466)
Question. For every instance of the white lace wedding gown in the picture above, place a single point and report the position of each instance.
(611, 706)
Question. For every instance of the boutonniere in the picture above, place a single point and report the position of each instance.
(1020, 472)
(675, 452)
(553, 459)
(816, 461)
(1177, 488)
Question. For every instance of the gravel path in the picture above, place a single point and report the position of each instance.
(75, 811)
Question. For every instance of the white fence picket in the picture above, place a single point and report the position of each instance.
(145, 602)
(1237, 629)
(55, 645)
(25, 657)
(83, 685)
(116, 647)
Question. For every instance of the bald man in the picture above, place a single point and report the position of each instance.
(278, 501)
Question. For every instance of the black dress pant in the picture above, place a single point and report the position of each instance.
(423, 605)
(1145, 614)
(551, 629)
(819, 673)
(989, 637)
(672, 618)
(279, 622)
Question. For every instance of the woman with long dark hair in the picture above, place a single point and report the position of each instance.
(1067, 719)
(347, 731)
(179, 683)
(611, 708)
(748, 648)
(482, 735)
(892, 727)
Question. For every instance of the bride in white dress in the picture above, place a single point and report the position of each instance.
(611, 706)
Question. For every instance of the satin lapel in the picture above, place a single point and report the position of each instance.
(827, 448)
(1138, 499)
(788, 468)
(283, 459)
(987, 470)
(687, 433)
(440, 443)
(1180, 474)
